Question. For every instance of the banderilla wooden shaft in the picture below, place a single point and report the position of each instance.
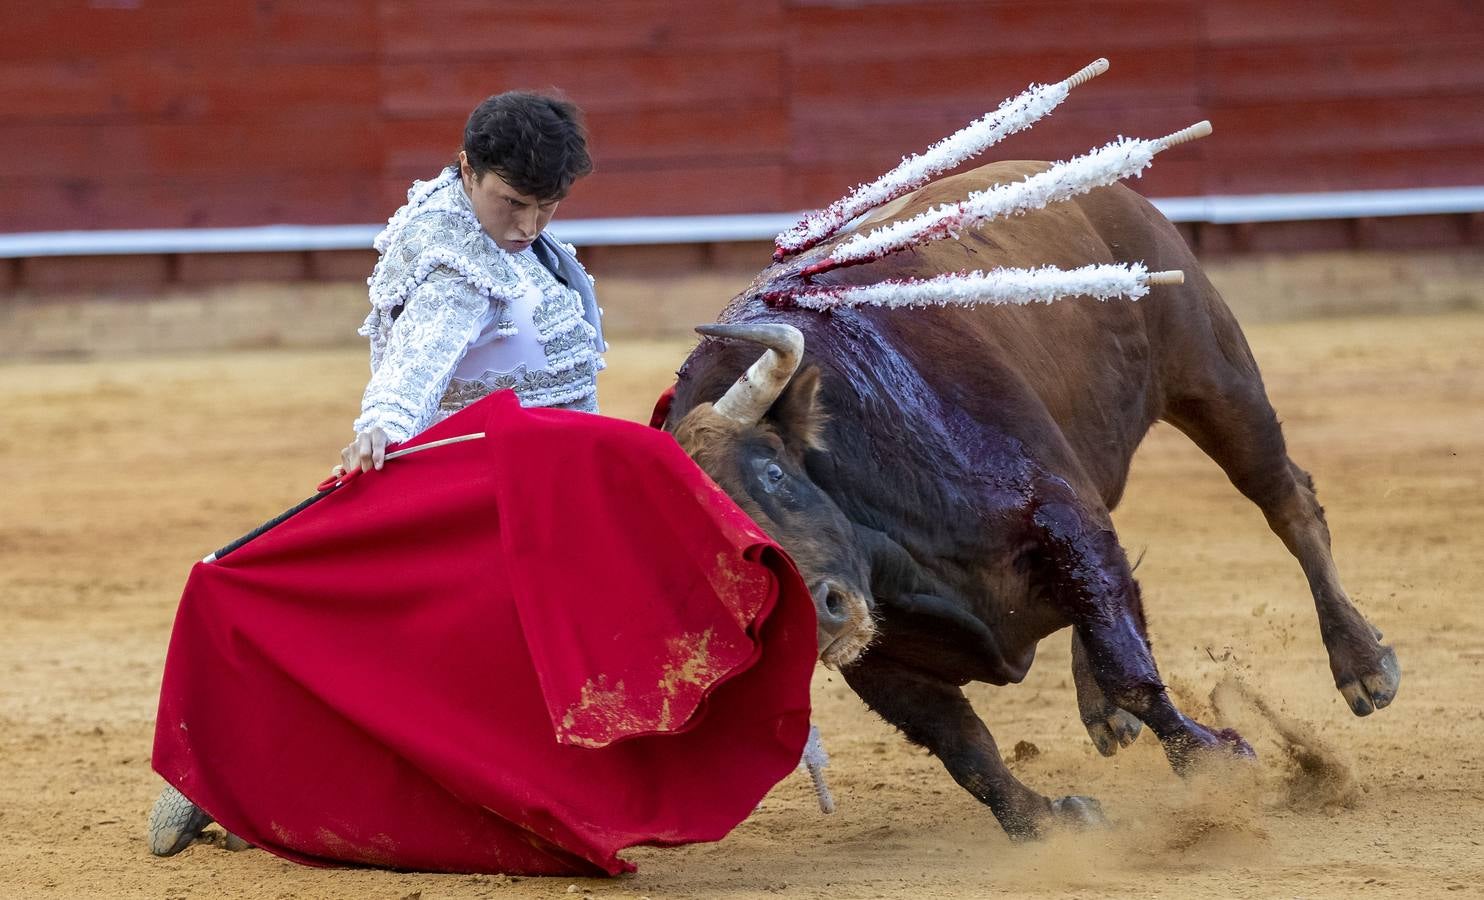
(1185, 135)
(1088, 73)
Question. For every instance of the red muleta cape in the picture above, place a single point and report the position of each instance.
(519, 654)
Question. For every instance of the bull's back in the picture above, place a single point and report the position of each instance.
(1098, 370)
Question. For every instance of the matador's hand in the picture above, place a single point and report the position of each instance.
(368, 451)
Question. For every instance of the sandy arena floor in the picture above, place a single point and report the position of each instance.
(117, 476)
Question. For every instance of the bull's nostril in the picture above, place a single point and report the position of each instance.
(834, 604)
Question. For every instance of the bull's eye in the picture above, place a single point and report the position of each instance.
(773, 474)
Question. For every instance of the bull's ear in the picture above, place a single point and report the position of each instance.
(798, 415)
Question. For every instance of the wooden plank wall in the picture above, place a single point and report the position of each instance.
(141, 114)
(176, 114)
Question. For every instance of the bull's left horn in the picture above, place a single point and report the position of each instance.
(748, 399)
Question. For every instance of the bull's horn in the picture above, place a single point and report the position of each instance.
(755, 391)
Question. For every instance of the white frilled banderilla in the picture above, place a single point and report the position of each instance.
(997, 287)
(1015, 114)
(1120, 159)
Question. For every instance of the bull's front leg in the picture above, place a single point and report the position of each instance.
(1089, 578)
(936, 715)
(1108, 726)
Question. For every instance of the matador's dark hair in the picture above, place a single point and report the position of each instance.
(535, 142)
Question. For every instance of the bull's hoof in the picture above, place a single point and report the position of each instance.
(174, 822)
(1078, 812)
(1200, 745)
(1370, 686)
(1119, 729)
(1067, 813)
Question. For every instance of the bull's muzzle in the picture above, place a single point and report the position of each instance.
(845, 626)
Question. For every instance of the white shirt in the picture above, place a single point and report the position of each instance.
(497, 352)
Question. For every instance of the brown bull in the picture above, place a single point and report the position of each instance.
(943, 477)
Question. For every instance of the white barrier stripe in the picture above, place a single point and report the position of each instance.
(1215, 209)
(1231, 209)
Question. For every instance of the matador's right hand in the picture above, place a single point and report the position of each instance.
(367, 451)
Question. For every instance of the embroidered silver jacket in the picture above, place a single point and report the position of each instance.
(438, 279)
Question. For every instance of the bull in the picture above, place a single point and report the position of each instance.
(943, 477)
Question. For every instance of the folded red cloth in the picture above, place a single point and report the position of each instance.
(519, 654)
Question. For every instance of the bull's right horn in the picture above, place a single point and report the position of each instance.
(748, 399)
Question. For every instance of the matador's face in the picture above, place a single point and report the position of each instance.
(512, 219)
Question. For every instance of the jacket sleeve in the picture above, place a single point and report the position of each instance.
(439, 321)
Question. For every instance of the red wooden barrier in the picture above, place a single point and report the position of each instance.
(142, 114)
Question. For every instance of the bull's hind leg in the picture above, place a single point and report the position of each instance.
(935, 714)
(1230, 419)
